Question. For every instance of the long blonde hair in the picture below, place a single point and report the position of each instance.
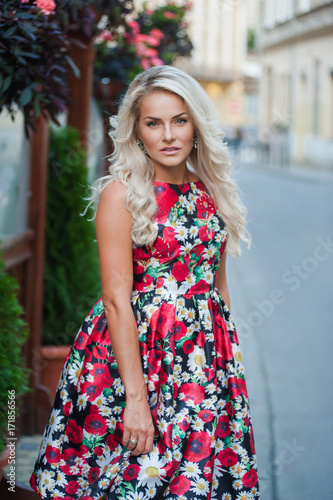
(210, 160)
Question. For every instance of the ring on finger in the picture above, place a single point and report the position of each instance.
(132, 442)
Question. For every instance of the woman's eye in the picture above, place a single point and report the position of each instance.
(181, 120)
(152, 124)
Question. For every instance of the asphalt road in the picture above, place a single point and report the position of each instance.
(282, 302)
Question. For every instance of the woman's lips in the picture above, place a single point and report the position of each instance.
(170, 151)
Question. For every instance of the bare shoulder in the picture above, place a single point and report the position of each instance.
(115, 191)
(112, 204)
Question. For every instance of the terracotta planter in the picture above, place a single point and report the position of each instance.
(54, 358)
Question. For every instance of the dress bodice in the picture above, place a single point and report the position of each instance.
(185, 256)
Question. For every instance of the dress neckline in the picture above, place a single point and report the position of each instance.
(178, 185)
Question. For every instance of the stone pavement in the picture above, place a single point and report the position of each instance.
(26, 453)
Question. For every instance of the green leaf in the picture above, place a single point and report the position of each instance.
(25, 97)
(75, 69)
(9, 32)
(6, 83)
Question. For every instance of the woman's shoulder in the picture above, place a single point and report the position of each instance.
(114, 190)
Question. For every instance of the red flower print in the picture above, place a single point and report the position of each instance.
(204, 234)
(93, 474)
(180, 330)
(167, 436)
(95, 423)
(180, 485)
(159, 282)
(169, 236)
(52, 454)
(252, 441)
(112, 442)
(227, 457)
(74, 432)
(72, 487)
(184, 424)
(163, 319)
(201, 339)
(81, 341)
(209, 373)
(188, 346)
(163, 377)
(100, 352)
(230, 409)
(175, 390)
(101, 374)
(68, 408)
(98, 451)
(206, 415)
(180, 271)
(154, 358)
(208, 470)
(92, 390)
(201, 287)
(198, 446)
(193, 391)
(205, 207)
(166, 198)
(250, 478)
(147, 280)
(131, 472)
(223, 427)
(68, 457)
(237, 386)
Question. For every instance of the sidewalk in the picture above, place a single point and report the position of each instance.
(248, 160)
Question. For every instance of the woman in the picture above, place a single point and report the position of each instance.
(164, 412)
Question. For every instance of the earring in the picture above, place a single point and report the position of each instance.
(141, 146)
(195, 142)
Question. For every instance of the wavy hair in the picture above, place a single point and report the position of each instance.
(210, 160)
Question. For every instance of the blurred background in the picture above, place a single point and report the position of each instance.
(267, 65)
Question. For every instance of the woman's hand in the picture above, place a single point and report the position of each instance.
(138, 425)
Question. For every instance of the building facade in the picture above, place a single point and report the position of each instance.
(296, 91)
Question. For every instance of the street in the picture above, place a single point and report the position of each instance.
(281, 301)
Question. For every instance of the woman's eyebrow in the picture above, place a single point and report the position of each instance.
(156, 119)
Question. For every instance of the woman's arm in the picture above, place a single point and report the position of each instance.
(113, 226)
(221, 280)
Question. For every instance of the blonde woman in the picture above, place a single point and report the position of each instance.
(152, 400)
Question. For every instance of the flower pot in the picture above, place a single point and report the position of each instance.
(53, 359)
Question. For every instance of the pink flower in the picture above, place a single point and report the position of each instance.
(152, 40)
(149, 12)
(156, 33)
(106, 35)
(46, 6)
(151, 53)
(169, 15)
(156, 61)
(135, 27)
(145, 63)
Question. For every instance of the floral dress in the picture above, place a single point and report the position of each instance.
(203, 445)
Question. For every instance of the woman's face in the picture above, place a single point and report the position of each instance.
(166, 131)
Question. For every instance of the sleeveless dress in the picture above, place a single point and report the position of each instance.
(203, 445)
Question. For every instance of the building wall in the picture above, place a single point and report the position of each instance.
(297, 86)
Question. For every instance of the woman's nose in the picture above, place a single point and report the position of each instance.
(168, 134)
